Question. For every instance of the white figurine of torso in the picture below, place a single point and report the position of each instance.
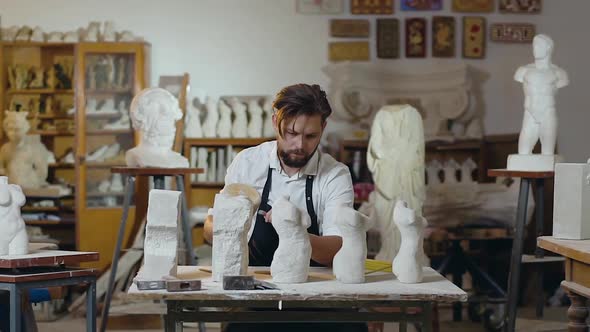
(224, 124)
(255, 124)
(450, 169)
(211, 118)
(268, 130)
(407, 265)
(240, 125)
(154, 113)
(193, 122)
(290, 263)
(13, 238)
(349, 262)
(432, 170)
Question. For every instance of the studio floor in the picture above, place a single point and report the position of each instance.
(555, 319)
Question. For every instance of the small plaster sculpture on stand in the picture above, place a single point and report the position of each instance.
(349, 262)
(224, 124)
(268, 130)
(211, 118)
(154, 112)
(240, 125)
(407, 264)
(395, 157)
(161, 235)
(540, 81)
(233, 209)
(290, 263)
(23, 158)
(255, 124)
(13, 237)
(193, 121)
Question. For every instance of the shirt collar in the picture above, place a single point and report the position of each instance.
(311, 168)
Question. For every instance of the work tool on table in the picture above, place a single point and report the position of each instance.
(169, 285)
(245, 283)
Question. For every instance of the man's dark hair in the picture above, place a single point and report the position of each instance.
(300, 99)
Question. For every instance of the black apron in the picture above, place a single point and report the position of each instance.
(265, 240)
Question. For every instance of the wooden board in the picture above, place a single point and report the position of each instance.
(388, 38)
(415, 37)
(371, 7)
(520, 174)
(150, 171)
(42, 275)
(321, 287)
(443, 36)
(474, 37)
(349, 51)
(578, 250)
(512, 32)
(47, 258)
(349, 28)
(471, 6)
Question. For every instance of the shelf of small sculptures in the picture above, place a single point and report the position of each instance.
(61, 165)
(52, 117)
(109, 132)
(207, 184)
(103, 115)
(112, 91)
(226, 141)
(39, 91)
(43, 222)
(101, 194)
(40, 208)
(51, 133)
(37, 44)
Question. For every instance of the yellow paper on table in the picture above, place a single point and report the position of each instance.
(373, 265)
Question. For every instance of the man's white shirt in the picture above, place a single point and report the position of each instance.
(332, 184)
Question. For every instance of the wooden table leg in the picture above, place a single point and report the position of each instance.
(577, 313)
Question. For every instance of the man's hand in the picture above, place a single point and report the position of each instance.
(208, 229)
(268, 216)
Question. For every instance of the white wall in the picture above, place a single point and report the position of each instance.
(254, 47)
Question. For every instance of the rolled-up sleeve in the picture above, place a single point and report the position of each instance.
(339, 191)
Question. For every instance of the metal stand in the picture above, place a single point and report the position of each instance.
(159, 181)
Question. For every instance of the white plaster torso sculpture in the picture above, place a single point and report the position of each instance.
(540, 81)
(467, 168)
(38, 35)
(193, 121)
(161, 235)
(224, 124)
(255, 124)
(109, 34)
(349, 262)
(211, 118)
(23, 158)
(92, 32)
(432, 170)
(450, 169)
(154, 112)
(407, 264)
(232, 218)
(13, 238)
(239, 127)
(268, 130)
(290, 263)
(395, 157)
(71, 37)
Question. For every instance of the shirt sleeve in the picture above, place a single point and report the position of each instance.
(339, 193)
(232, 174)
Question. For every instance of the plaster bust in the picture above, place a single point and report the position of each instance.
(23, 158)
(154, 112)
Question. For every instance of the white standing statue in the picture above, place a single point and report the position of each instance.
(432, 170)
(395, 157)
(38, 35)
(154, 112)
(202, 163)
(255, 124)
(290, 263)
(211, 118)
(193, 127)
(407, 264)
(239, 127)
(161, 235)
(268, 130)
(224, 124)
(349, 262)
(13, 237)
(23, 158)
(540, 81)
(450, 169)
(92, 32)
(232, 214)
(109, 34)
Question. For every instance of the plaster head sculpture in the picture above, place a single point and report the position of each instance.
(349, 262)
(154, 112)
(407, 265)
(290, 262)
(13, 238)
(395, 157)
(37, 35)
(540, 81)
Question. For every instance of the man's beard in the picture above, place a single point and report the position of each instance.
(297, 161)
